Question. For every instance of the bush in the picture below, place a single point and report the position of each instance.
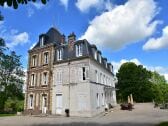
(13, 105)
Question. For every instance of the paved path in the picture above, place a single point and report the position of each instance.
(142, 115)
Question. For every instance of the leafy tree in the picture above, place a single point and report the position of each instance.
(133, 79)
(15, 3)
(11, 74)
(145, 85)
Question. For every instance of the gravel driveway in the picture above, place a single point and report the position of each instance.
(143, 115)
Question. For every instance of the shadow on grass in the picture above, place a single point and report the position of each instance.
(97, 124)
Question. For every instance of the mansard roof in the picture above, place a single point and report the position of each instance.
(88, 50)
(51, 36)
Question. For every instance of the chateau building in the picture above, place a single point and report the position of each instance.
(70, 75)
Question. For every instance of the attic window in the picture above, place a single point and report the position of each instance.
(95, 55)
(42, 41)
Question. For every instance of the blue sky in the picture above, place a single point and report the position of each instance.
(133, 30)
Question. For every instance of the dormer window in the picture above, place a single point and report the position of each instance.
(60, 54)
(78, 50)
(42, 41)
(106, 64)
(100, 59)
(95, 55)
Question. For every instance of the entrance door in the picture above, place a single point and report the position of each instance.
(58, 103)
(44, 105)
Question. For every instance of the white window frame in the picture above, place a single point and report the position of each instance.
(33, 79)
(78, 50)
(34, 60)
(98, 99)
(95, 55)
(101, 81)
(97, 76)
(42, 41)
(59, 54)
(45, 78)
(103, 102)
(59, 77)
(31, 101)
(46, 57)
(100, 58)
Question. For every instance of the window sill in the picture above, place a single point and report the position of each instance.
(32, 86)
(44, 85)
(45, 64)
(33, 67)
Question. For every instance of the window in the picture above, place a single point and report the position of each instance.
(101, 78)
(100, 59)
(95, 55)
(98, 101)
(97, 77)
(106, 64)
(102, 99)
(32, 80)
(59, 77)
(31, 101)
(34, 60)
(84, 73)
(46, 58)
(42, 41)
(45, 78)
(104, 80)
(79, 50)
(59, 54)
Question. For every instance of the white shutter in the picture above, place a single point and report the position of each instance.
(57, 77)
(87, 72)
(80, 74)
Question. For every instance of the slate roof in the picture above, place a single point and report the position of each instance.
(87, 51)
(52, 36)
(55, 37)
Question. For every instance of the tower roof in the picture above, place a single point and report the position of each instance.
(51, 36)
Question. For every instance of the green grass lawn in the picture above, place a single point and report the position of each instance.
(2, 115)
(163, 124)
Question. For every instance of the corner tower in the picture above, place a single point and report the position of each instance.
(39, 80)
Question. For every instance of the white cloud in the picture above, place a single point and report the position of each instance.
(123, 25)
(161, 70)
(158, 43)
(117, 65)
(17, 39)
(85, 5)
(64, 3)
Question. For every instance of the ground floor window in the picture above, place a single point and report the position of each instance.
(98, 100)
(31, 101)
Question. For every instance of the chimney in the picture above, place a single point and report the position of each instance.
(72, 37)
(71, 41)
(63, 39)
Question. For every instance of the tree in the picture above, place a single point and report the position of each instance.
(11, 75)
(15, 3)
(133, 79)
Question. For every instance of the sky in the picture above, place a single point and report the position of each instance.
(124, 30)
